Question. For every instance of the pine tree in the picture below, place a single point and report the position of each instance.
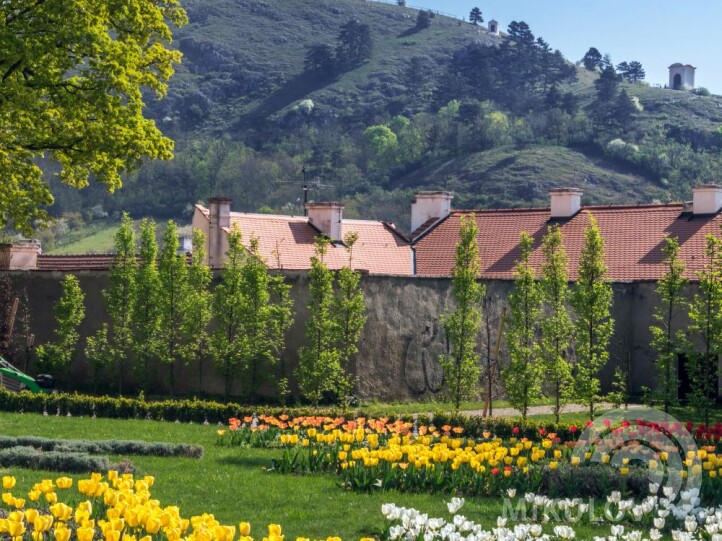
(120, 297)
(705, 315)
(522, 378)
(172, 302)
(556, 327)
(319, 359)
(197, 306)
(69, 313)
(145, 316)
(227, 341)
(349, 312)
(665, 341)
(463, 323)
(591, 300)
(475, 16)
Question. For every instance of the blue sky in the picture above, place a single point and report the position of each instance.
(655, 32)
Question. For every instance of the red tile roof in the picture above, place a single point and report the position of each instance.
(633, 236)
(69, 263)
(287, 242)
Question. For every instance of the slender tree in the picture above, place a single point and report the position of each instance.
(463, 323)
(145, 316)
(256, 315)
(319, 359)
(197, 306)
(522, 377)
(666, 342)
(349, 312)
(227, 341)
(592, 59)
(99, 353)
(172, 302)
(705, 315)
(556, 326)
(69, 314)
(120, 297)
(591, 300)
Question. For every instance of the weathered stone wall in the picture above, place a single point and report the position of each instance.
(401, 343)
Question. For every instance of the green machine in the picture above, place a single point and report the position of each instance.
(14, 380)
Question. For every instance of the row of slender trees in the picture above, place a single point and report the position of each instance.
(558, 335)
(162, 312)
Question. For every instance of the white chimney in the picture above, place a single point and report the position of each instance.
(706, 199)
(565, 202)
(326, 217)
(427, 205)
(219, 217)
(20, 256)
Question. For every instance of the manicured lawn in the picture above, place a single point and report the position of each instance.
(232, 484)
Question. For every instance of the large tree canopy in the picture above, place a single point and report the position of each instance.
(71, 81)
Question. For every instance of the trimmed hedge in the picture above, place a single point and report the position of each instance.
(60, 461)
(201, 411)
(108, 447)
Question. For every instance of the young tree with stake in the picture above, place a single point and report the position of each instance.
(463, 323)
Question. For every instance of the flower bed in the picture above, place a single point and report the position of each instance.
(372, 454)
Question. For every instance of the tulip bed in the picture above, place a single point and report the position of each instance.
(376, 454)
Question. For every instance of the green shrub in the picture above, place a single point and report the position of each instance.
(69, 462)
(110, 447)
(593, 480)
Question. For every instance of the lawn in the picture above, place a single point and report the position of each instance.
(231, 483)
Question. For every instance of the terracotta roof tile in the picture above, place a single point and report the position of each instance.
(634, 236)
(74, 262)
(287, 242)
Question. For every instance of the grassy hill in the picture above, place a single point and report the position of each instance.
(247, 117)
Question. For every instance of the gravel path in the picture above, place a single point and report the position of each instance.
(541, 410)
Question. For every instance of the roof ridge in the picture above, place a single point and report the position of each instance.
(583, 207)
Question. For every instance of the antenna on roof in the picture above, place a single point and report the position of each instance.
(306, 185)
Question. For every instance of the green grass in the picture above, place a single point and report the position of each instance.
(231, 483)
(94, 241)
(409, 408)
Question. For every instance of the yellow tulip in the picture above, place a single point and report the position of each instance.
(64, 482)
(16, 529)
(8, 482)
(61, 512)
(244, 529)
(111, 535)
(84, 534)
(31, 515)
(274, 529)
(61, 533)
(51, 498)
(152, 525)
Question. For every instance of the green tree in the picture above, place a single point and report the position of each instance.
(320, 59)
(145, 316)
(197, 306)
(256, 319)
(475, 16)
(227, 341)
(69, 313)
(319, 359)
(99, 353)
(607, 84)
(120, 297)
(72, 81)
(423, 19)
(632, 72)
(172, 302)
(281, 321)
(556, 326)
(667, 343)
(591, 300)
(349, 313)
(592, 59)
(382, 144)
(463, 323)
(705, 316)
(522, 377)
(355, 45)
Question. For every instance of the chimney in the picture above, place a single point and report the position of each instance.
(326, 217)
(427, 205)
(21, 256)
(706, 199)
(565, 202)
(219, 217)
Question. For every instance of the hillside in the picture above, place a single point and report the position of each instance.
(496, 119)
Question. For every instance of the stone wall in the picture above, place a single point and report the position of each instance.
(398, 353)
